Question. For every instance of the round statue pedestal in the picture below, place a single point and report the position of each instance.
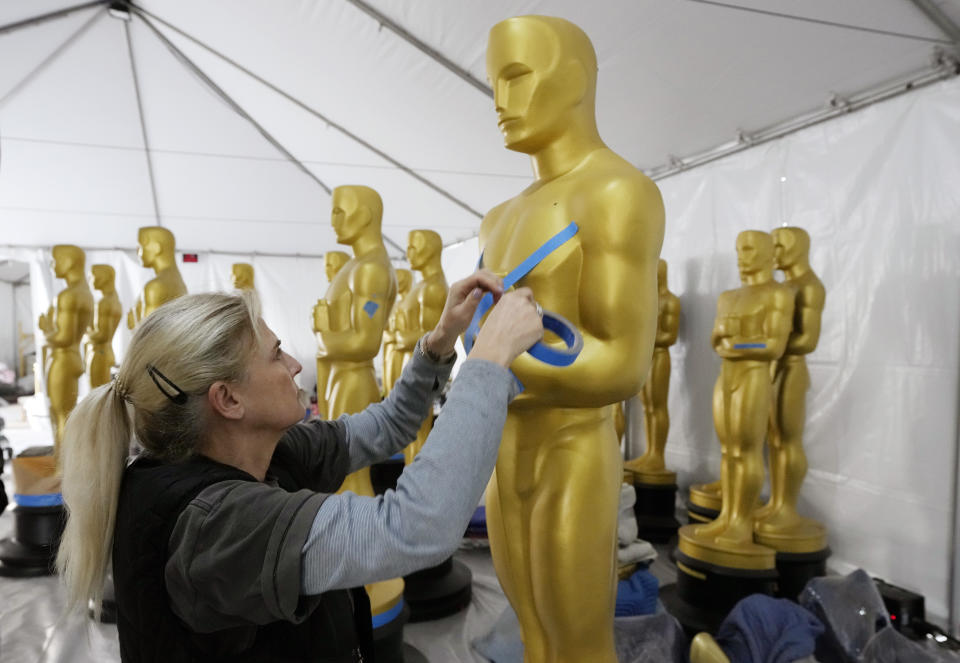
(655, 507)
(438, 592)
(33, 548)
(390, 613)
(802, 551)
(705, 593)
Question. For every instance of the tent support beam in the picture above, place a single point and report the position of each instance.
(47, 61)
(227, 99)
(432, 53)
(133, 249)
(35, 20)
(320, 116)
(143, 123)
(941, 20)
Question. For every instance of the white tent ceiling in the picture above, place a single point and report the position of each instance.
(677, 78)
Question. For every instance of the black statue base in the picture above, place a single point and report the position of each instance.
(388, 644)
(698, 515)
(705, 593)
(438, 592)
(655, 510)
(36, 537)
(797, 569)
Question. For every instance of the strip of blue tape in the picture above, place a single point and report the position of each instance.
(556, 323)
(49, 499)
(385, 618)
(370, 308)
(748, 346)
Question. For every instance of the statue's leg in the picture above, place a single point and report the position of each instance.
(749, 414)
(773, 441)
(352, 390)
(99, 368)
(323, 387)
(720, 424)
(573, 540)
(508, 527)
(660, 376)
(65, 371)
(788, 461)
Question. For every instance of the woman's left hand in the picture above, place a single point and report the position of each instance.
(461, 304)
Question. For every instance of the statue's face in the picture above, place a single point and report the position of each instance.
(99, 277)
(333, 262)
(754, 252)
(147, 251)
(63, 260)
(242, 276)
(530, 95)
(348, 216)
(417, 252)
(785, 248)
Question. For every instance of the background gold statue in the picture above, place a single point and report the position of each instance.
(104, 324)
(656, 418)
(351, 317)
(241, 274)
(778, 523)
(392, 359)
(333, 261)
(553, 500)
(157, 252)
(420, 310)
(750, 331)
(63, 327)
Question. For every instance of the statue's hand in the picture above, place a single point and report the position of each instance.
(321, 316)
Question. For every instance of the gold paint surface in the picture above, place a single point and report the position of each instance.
(108, 314)
(157, 248)
(553, 500)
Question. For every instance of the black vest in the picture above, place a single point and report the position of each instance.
(152, 496)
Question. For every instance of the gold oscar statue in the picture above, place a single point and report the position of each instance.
(552, 502)
(109, 312)
(156, 252)
(393, 360)
(420, 310)
(63, 328)
(650, 467)
(751, 330)
(241, 274)
(333, 261)
(352, 315)
(778, 524)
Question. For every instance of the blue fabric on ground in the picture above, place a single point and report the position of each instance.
(637, 595)
(762, 629)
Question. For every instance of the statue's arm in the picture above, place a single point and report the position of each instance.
(63, 331)
(669, 323)
(370, 285)
(618, 302)
(804, 340)
(777, 324)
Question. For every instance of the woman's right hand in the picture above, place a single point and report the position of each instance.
(511, 328)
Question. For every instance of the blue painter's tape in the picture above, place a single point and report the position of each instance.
(556, 323)
(749, 346)
(385, 618)
(396, 456)
(49, 499)
(370, 308)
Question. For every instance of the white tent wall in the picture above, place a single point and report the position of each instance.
(877, 191)
(8, 326)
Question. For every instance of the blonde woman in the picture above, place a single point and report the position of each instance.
(227, 540)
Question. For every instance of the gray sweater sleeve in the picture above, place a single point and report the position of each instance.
(357, 540)
(385, 428)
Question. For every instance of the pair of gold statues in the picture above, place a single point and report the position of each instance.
(763, 331)
(75, 321)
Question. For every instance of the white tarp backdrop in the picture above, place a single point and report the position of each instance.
(877, 190)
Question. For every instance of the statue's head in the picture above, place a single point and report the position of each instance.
(333, 262)
(102, 276)
(754, 252)
(422, 247)
(543, 71)
(155, 242)
(404, 281)
(355, 208)
(791, 245)
(242, 275)
(67, 258)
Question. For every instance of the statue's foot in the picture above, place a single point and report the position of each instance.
(646, 463)
(711, 530)
(704, 649)
(713, 489)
